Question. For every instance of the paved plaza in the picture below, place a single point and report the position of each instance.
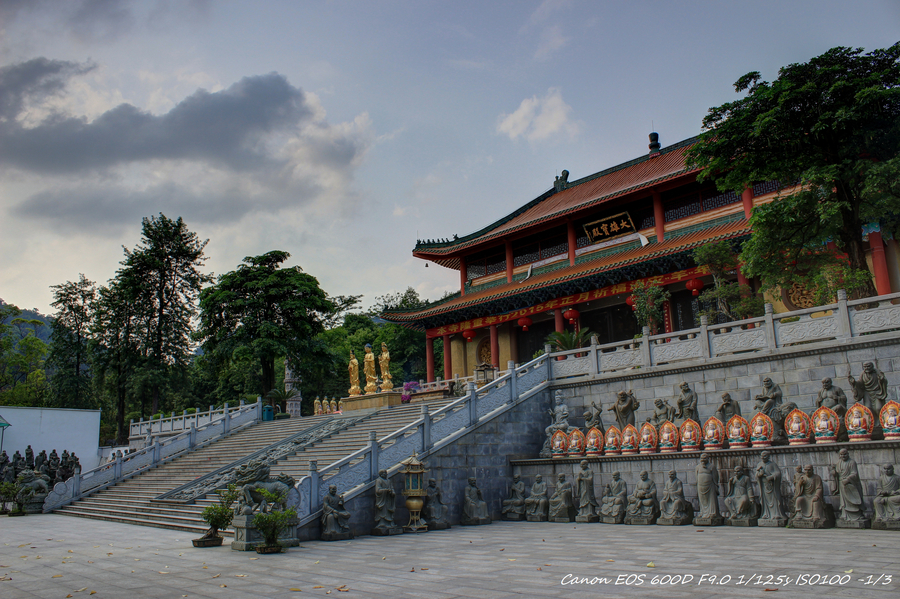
(55, 557)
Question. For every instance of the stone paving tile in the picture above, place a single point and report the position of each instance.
(461, 562)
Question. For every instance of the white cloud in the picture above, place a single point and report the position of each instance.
(538, 119)
(552, 39)
(543, 12)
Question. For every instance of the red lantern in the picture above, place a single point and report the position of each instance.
(571, 315)
(695, 285)
(469, 334)
(525, 322)
(630, 301)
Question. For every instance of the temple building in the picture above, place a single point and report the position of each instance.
(569, 258)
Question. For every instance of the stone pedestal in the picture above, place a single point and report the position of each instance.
(682, 521)
(513, 516)
(715, 521)
(247, 537)
(438, 525)
(591, 518)
(474, 521)
(35, 506)
(812, 524)
(536, 517)
(565, 519)
(386, 531)
(743, 522)
(337, 536)
(373, 400)
(640, 520)
(856, 524)
(620, 519)
(886, 525)
(773, 522)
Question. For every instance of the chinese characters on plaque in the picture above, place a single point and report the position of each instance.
(609, 227)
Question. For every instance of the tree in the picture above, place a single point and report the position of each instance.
(826, 124)
(268, 311)
(648, 304)
(730, 300)
(69, 350)
(165, 267)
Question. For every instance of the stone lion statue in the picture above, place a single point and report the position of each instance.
(254, 476)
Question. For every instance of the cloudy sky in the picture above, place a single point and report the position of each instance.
(343, 131)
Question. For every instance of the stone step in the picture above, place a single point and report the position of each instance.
(186, 525)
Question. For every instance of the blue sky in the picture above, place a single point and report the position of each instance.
(343, 131)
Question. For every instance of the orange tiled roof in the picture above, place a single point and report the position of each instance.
(732, 230)
(598, 188)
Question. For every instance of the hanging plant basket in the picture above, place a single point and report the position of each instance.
(210, 542)
(268, 549)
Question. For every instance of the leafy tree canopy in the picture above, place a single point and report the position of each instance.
(832, 124)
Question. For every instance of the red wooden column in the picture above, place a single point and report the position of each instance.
(509, 261)
(429, 359)
(560, 321)
(879, 263)
(667, 316)
(742, 280)
(448, 360)
(513, 342)
(573, 242)
(462, 275)
(659, 216)
(495, 347)
(747, 200)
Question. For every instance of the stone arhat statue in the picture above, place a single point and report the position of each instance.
(687, 403)
(615, 498)
(643, 505)
(809, 501)
(385, 498)
(674, 508)
(434, 511)
(887, 500)
(870, 389)
(624, 408)
(768, 475)
(514, 507)
(707, 477)
(847, 485)
(475, 509)
(739, 500)
(562, 508)
(335, 519)
(559, 415)
(727, 409)
(587, 502)
(537, 504)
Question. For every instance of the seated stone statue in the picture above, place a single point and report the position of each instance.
(687, 404)
(593, 418)
(643, 505)
(809, 501)
(335, 519)
(674, 508)
(612, 507)
(514, 507)
(727, 409)
(433, 511)
(475, 510)
(559, 422)
(562, 507)
(537, 504)
(739, 499)
(662, 412)
(887, 500)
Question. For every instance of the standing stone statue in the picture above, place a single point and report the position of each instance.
(514, 507)
(769, 402)
(384, 361)
(29, 458)
(662, 412)
(475, 510)
(559, 415)
(643, 505)
(593, 418)
(624, 408)
(353, 369)
(834, 398)
(385, 498)
(433, 510)
(809, 502)
(40, 459)
(727, 409)
(739, 500)
(587, 502)
(687, 404)
(674, 508)
(870, 389)
(887, 500)
(847, 485)
(707, 493)
(369, 370)
(335, 519)
(612, 508)
(537, 504)
(562, 508)
(768, 475)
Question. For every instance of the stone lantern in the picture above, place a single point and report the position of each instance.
(414, 488)
(484, 374)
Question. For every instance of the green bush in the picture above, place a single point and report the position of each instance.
(272, 523)
(219, 516)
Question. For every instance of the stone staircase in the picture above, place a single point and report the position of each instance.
(131, 501)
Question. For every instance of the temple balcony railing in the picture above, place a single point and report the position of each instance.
(771, 333)
(431, 432)
(180, 422)
(160, 452)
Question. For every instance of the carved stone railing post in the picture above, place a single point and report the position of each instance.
(117, 468)
(227, 420)
(513, 381)
(845, 330)
(373, 455)
(313, 486)
(547, 350)
(470, 402)
(704, 337)
(193, 437)
(76, 484)
(426, 429)
(259, 410)
(594, 355)
(770, 328)
(645, 347)
(156, 451)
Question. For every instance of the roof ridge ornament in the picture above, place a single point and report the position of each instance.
(562, 181)
(654, 144)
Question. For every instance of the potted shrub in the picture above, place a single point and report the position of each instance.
(218, 516)
(20, 497)
(7, 496)
(271, 523)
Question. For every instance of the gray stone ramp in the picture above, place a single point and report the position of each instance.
(503, 559)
